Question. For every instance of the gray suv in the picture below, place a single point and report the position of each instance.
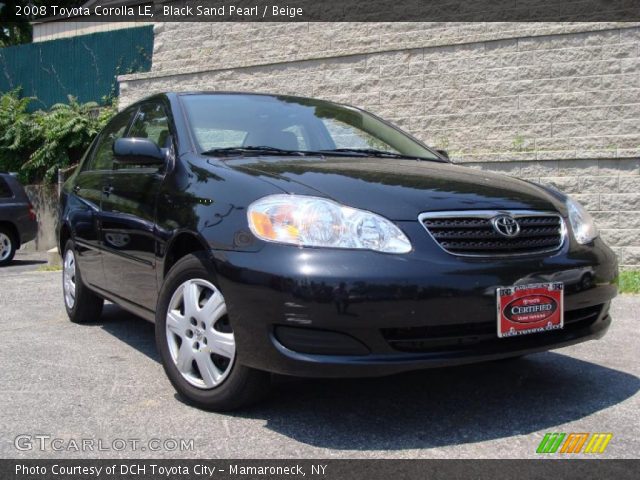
(18, 224)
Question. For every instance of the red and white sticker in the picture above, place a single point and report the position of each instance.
(533, 308)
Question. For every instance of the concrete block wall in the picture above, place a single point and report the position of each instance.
(554, 102)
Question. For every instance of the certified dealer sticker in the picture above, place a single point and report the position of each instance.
(532, 308)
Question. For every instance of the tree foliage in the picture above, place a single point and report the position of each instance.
(14, 29)
(37, 144)
(16, 130)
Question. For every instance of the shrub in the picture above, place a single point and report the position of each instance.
(65, 132)
(17, 129)
(37, 144)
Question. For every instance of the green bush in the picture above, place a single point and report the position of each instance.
(36, 144)
(17, 128)
(629, 281)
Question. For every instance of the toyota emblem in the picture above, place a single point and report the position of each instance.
(506, 226)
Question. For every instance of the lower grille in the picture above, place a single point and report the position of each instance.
(474, 232)
(458, 336)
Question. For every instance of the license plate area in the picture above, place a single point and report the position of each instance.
(528, 309)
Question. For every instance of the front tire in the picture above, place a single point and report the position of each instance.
(196, 341)
(82, 304)
(7, 246)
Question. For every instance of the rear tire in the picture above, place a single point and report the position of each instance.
(196, 342)
(8, 245)
(82, 304)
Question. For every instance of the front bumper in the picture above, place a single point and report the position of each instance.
(384, 314)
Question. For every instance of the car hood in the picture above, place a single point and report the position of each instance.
(398, 189)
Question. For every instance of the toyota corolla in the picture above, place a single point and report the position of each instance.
(275, 234)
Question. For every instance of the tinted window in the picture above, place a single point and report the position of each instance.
(102, 157)
(151, 122)
(290, 123)
(5, 191)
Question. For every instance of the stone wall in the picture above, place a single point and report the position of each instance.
(555, 102)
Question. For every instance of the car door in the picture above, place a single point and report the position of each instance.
(85, 199)
(128, 214)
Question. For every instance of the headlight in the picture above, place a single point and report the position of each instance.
(582, 224)
(318, 222)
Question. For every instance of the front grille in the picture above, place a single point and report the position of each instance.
(470, 335)
(472, 232)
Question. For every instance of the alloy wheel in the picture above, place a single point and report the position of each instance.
(200, 339)
(69, 278)
(5, 246)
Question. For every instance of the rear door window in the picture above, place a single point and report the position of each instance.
(5, 191)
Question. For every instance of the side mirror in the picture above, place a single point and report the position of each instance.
(138, 151)
(443, 153)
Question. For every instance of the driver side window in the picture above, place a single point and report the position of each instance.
(102, 157)
(151, 122)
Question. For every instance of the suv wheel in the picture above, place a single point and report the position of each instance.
(81, 303)
(196, 341)
(7, 246)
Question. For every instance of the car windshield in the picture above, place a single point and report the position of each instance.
(238, 123)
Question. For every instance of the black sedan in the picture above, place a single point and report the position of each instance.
(266, 233)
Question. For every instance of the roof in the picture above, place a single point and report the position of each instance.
(170, 93)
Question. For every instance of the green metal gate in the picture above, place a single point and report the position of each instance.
(85, 66)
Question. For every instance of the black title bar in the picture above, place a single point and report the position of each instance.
(320, 469)
(341, 11)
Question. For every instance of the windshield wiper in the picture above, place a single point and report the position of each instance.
(262, 149)
(266, 150)
(372, 152)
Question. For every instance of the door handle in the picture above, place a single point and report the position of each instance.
(107, 190)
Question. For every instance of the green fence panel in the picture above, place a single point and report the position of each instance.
(85, 66)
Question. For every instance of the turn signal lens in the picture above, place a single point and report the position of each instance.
(262, 225)
(318, 222)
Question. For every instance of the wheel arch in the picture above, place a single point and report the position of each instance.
(64, 236)
(182, 244)
(13, 230)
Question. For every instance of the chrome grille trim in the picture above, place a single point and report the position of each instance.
(483, 218)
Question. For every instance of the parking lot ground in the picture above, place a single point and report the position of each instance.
(104, 381)
(25, 262)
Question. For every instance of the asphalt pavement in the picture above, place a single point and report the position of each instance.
(102, 384)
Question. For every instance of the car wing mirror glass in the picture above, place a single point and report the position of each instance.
(139, 151)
